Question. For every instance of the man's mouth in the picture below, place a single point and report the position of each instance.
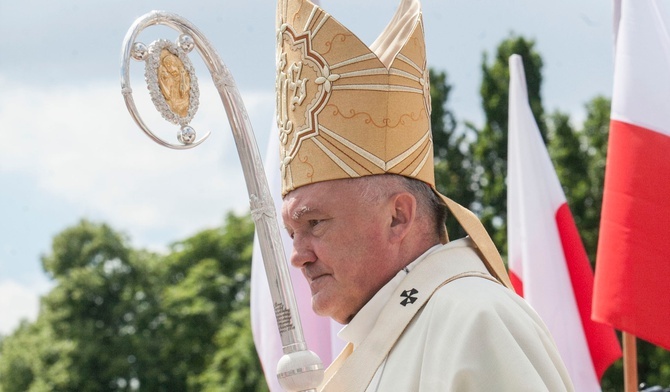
(316, 281)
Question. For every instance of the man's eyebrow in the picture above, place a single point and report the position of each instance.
(300, 212)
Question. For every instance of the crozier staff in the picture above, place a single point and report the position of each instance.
(421, 313)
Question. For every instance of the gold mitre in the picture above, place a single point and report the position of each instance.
(345, 110)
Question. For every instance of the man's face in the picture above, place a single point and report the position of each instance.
(340, 242)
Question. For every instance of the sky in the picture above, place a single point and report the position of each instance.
(69, 150)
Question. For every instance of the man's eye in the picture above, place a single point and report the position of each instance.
(314, 222)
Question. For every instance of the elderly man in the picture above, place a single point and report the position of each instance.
(422, 314)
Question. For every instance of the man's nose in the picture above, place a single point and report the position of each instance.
(302, 252)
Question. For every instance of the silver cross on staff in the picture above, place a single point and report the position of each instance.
(174, 91)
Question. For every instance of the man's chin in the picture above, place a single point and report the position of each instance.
(322, 306)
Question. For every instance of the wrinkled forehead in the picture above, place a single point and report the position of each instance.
(320, 197)
(303, 200)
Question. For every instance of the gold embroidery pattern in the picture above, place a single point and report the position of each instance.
(425, 82)
(296, 126)
(329, 44)
(310, 172)
(385, 121)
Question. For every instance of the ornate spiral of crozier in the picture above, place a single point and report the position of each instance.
(174, 91)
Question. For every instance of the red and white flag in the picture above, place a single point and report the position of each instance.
(633, 262)
(320, 332)
(547, 261)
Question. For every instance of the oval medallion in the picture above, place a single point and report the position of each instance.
(172, 82)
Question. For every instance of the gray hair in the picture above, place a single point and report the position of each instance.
(378, 187)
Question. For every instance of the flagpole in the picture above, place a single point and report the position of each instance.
(630, 362)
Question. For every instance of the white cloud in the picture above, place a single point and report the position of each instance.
(80, 145)
(18, 302)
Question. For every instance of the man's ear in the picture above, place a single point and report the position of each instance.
(403, 215)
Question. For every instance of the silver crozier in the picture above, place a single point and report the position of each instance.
(174, 91)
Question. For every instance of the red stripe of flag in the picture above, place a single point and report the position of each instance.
(601, 339)
(517, 283)
(633, 269)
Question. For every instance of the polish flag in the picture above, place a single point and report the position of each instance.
(320, 332)
(547, 261)
(633, 262)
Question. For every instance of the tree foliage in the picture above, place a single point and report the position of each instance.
(453, 165)
(120, 319)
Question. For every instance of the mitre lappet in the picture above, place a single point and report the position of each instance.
(346, 110)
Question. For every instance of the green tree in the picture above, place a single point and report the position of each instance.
(89, 306)
(234, 366)
(452, 162)
(17, 370)
(121, 319)
(209, 275)
(566, 151)
(594, 146)
(33, 359)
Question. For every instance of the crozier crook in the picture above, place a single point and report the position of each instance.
(174, 92)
